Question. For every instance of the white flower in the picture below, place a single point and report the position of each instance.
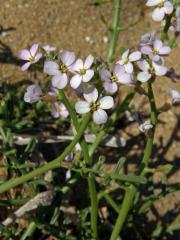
(49, 48)
(95, 105)
(118, 76)
(58, 110)
(127, 60)
(175, 95)
(82, 71)
(150, 70)
(146, 126)
(163, 7)
(33, 93)
(59, 72)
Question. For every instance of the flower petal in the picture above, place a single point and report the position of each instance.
(151, 3)
(77, 65)
(143, 76)
(165, 50)
(88, 62)
(34, 49)
(100, 116)
(143, 65)
(110, 87)
(105, 74)
(168, 7)
(157, 44)
(24, 54)
(146, 50)
(37, 57)
(106, 102)
(125, 55)
(158, 14)
(67, 57)
(76, 81)
(82, 107)
(129, 67)
(159, 69)
(25, 66)
(91, 94)
(134, 56)
(88, 75)
(51, 68)
(60, 80)
(126, 79)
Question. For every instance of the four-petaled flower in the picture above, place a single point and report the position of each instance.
(163, 7)
(59, 72)
(156, 51)
(31, 56)
(149, 70)
(95, 105)
(127, 60)
(58, 110)
(33, 93)
(82, 71)
(175, 96)
(119, 75)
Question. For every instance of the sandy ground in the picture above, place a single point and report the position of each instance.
(83, 27)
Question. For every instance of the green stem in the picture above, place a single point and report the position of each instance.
(88, 161)
(115, 31)
(166, 27)
(132, 189)
(51, 165)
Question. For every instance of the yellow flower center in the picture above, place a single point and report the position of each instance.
(94, 106)
(151, 70)
(126, 61)
(113, 79)
(63, 68)
(31, 58)
(161, 4)
(82, 71)
(155, 52)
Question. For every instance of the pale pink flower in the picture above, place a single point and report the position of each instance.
(82, 71)
(163, 7)
(58, 110)
(111, 80)
(95, 105)
(156, 51)
(33, 93)
(59, 72)
(150, 70)
(175, 96)
(128, 59)
(31, 56)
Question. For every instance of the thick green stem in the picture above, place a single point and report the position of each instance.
(132, 189)
(49, 166)
(88, 161)
(115, 31)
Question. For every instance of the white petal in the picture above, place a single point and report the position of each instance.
(88, 75)
(110, 87)
(76, 81)
(88, 62)
(143, 65)
(143, 76)
(100, 116)
(34, 49)
(91, 94)
(157, 44)
(77, 65)
(60, 81)
(67, 57)
(175, 95)
(151, 3)
(134, 56)
(125, 55)
(158, 14)
(106, 102)
(51, 68)
(126, 79)
(129, 67)
(25, 66)
(105, 74)
(82, 107)
(25, 54)
(168, 7)
(159, 69)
